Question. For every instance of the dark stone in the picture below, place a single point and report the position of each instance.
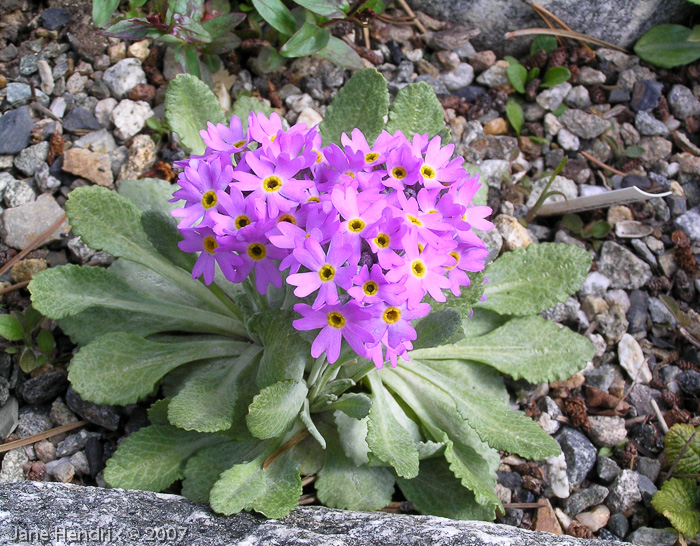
(585, 498)
(637, 313)
(631, 180)
(647, 489)
(437, 85)
(579, 452)
(15, 129)
(511, 480)
(470, 92)
(99, 90)
(105, 416)
(646, 95)
(676, 205)
(8, 53)
(618, 525)
(5, 365)
(691, 188)
(79, 119)
(54, 18)
(396, 53)
(604, 534)
(647, 437)
(689, 380)
(619, 96)
(513, 517)
(607, 469)
(137, 420)
(313, 86)
(44, 388)
(94, 454)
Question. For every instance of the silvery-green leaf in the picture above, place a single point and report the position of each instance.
(307, 420)
(417, 110)
(482, 322)
(149, 193)
(437, 328)
(679, 501)
(530, 280)
(275, 408)
(469, 297)
(309, 456)
(121, 368)
(341, 54)
(353, 404)
(531, 348)
(153, 457)
(162, 231)
(158, 412)
(352, 434)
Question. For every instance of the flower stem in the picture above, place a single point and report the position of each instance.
(219, 293)
(328, 373)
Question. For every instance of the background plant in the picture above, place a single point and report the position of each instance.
(243, 411)
(32, 330)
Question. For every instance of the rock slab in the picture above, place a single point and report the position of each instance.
(22, 225)
(130, 517)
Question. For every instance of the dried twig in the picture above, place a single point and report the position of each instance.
(680, 456)
(404, 5)
(41, 436)
(545, 13)
(289, 444)
(659, 416)
(565, 34)
(598, 162)
(306, 499)
(13, 287)
(308, 480)
(35, 243)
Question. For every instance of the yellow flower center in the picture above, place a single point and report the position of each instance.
(418, 268)
(351, 175)
(319, 156)
(421, 248)
(239, 144)
(356, 225)
(399, 173)
(272, 183)
(257, 251)
(455, 255)
(336, 320)
(427, 171)
(272, 138)
(391, 315)
(415, 221)
(326, 273)
(209, 199)
(370, 288)
(210, 244)
(371, 157)
(288, 218)
(313, 199)
(241, 221)
(382, 240)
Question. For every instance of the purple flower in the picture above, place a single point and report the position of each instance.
(203, 240)
(223, 140)
(337, 322)
(371, 286)
(199, 183)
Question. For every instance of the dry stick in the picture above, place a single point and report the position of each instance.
(565, 34)
(540, 10)
(680, 456)
(289, 444)
(41, 436)
(14, 287)
(598, 162)
(508, 505)
(407, 9)
(308, 480)
(365, 34)
(35, 243)
(659, 416)
(543, 13)
(306, 499)
(688, 336)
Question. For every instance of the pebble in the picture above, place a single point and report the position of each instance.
(31, 423)
(124, 76)
(689, 381)
(589, 76)
(24, 270)
(141, 157)
(595, 519)
(659, 312)
(632, 359)
(139, 50)
(513, 233)
(495, 75)
(130, 117)
(102, 415)
(63, 471)
(45, 451)
(580, 454)
(497, 126)
(97, 141)
(94, 453)
(560, 183)
(637, 313)
(310, 117)
(618, 297)
(578, 97)
(458, 78)
(607, 469)
(43, 388)
(18, 92)
(552, 98)
(103, 111)
(690, 223)
(655, 149)
(645, 95)
(93, 166)
(22, 225)
(647, 489)
(74, 443)
(647, 536)
(437, 85)
(15, 130)
(29, 159)
(618, 525)
(4, 391)
(648, 125)
(58, 107)
(548, 418)
(47, 83)
(682, 102)
(581, 500)
(584, 125)
(78, 119)
(12, 469)
(9, 418)
(54, 18)
(624, 492)
(18, 193)
(557, 476)
(80, 463)
(568, 141)
(607, 431)
(622, 267)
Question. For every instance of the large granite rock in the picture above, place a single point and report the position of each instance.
(618, 21)
(118, 517)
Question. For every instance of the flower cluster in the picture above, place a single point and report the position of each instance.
(364, 231)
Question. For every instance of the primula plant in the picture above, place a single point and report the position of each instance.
(320, 312)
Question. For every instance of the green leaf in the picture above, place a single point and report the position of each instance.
(515, 115)
(543, 42)
(341, 484)
(695, 33)
(306, 41)
(482, 322)
(189, 104)
(675, 442)
(333, 9)
(10, 328)
(517, 74)
(122, 368)
(269, 60)
(30, 360)
(154, 457)
(149, 193)
(277, 15)
(635, 151)
(488, 414)
(572, 222)
(531, 280)
(352, 404)
(469, 297)
(531, 348)
(306, 419)
(275, 409)
(158, 412)
(192, 408)
(437, 492)
(555, 76)
(352, 434)
(386, 438)
(667, 46)
(102, 11)
(45, 341)
(416, 110)
(600, 229)
(273, 492)
(437, 328)
(679, 501)
(203, 470)
(361, 103)
(341, 54)
(246, 104)
(164, 236)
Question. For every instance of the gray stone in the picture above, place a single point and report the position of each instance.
(97, 141)
(9, 417)
(648, 125)
(585, 498)
(624, 492)
(646, 536)
(30, 159)
(578, 97)
(123, 77)
(129, 117)
(632, 359)
(74, 443)
(607, 430)
(647, 489)
(105, 416)
(12, 470)
(15, 130)
(437, 85)
(20, 92)
(660, 313)
(618, 525)
(690, 223)
(689, 381)
(618, 22)
(552, 98)
(682, 102)
(62, 471)
(18, 193)
(642, 249)
(458, 78)
(640, 397)
(22, 225)
(43, 388)
(31, 423)
(560, 183)
(44, 181)
(584, 125)
(622, 267)
(79, 120)
(28, 64)
(4, 391)
(494, 76)
(600, 378)
(607, 469)
(130, 513)
(80, 463)
(579, 452)
(595, 284)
